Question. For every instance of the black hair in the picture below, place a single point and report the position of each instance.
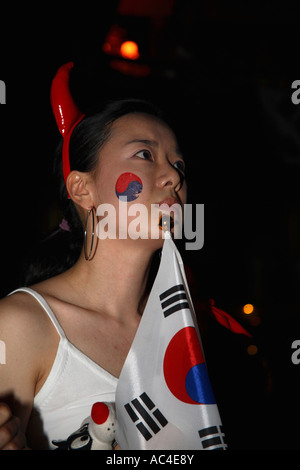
(59, 250)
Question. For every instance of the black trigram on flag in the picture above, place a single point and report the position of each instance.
(173, 299)
(149, 423)
(213, 438)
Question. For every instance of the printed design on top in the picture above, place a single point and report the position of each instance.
(96, 432)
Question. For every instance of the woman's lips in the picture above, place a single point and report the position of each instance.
(166, 221)
(169, 201)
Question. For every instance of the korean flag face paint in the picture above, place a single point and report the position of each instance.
(128, 185)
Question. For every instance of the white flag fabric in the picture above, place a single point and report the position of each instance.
(164, 398)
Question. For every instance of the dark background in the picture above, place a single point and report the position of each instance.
(222, 71)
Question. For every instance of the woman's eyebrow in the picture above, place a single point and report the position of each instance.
(151, 143)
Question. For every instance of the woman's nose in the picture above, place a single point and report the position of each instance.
(170, 176)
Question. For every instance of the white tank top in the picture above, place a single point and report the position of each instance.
(73, 385)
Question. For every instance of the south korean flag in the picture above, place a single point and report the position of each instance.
(164, 398)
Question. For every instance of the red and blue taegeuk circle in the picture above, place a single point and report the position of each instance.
(185, 370)
(128, 185)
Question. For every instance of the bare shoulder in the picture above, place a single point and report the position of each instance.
(21, 311)
(24, 305)
(27, 333)
(23, 333)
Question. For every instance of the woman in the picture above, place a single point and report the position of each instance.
(67, 338)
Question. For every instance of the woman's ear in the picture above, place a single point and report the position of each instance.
(77, 187)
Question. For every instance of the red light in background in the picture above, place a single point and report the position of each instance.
(153, 8)
(114, 39)
(130, 68)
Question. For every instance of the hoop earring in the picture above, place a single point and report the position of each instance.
(89, 256)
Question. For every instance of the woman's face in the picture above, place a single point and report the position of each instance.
(139, 166)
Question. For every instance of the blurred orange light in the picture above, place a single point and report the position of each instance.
(129, 50)
(248, 309)
(252, 350)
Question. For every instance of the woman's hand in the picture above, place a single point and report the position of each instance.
(11, 436)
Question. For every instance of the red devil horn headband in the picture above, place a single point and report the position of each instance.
(66, 113)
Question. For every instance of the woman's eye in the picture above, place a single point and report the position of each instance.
(180, 165)
(144, 154)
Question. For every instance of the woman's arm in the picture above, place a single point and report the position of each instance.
(22, 335)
